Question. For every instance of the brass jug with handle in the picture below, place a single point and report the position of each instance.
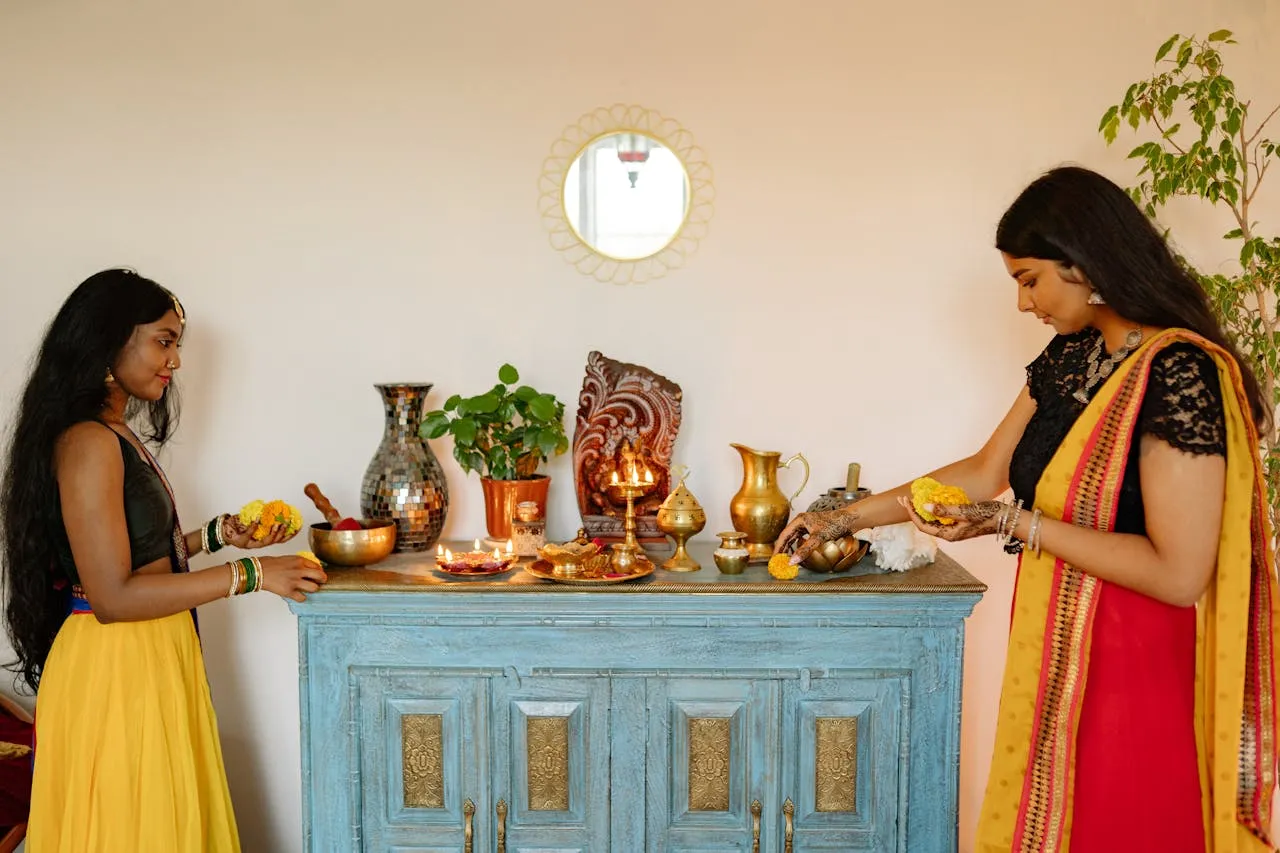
(760, 509)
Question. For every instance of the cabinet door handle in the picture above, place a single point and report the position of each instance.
(755, 826)
(788, 814)
(502, 826)
(468, 812)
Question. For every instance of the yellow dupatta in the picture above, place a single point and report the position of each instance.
(1028, 802)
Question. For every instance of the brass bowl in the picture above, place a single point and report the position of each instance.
(838, 555)
(353, 547)
(569, 557)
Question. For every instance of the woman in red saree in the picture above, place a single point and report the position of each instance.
(1138, 708)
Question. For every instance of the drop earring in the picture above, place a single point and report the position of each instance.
(1095, 298)
(110, 378)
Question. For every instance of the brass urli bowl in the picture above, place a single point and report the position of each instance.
(838, 555)
(353, 547)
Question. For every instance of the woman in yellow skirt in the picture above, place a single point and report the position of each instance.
(101, 602)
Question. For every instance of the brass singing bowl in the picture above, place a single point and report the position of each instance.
(352, 547)
(837, 555)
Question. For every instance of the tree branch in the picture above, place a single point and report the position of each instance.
(1155, 119)
(1258, 130)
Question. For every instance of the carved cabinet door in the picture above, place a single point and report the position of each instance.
(550, 788)
(710, 756)
(842, 739)
(417, 738)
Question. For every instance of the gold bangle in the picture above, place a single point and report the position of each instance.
(235, 579)
(257, 580)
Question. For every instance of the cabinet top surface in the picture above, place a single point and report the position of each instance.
(409, 572)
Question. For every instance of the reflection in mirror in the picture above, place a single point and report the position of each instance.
(626, 195)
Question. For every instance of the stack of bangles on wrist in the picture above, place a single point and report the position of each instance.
(1008, 522)
(246, 576)
(211, 535)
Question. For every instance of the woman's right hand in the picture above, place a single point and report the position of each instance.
(291, 577)
(808, 530)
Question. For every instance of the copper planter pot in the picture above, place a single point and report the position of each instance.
(501, 497)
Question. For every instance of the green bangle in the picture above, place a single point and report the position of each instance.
(213, 535)
(246, 563)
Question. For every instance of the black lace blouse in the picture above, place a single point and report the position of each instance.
(1183, 407)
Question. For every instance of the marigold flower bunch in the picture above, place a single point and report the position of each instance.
(927, 490)
(780, 567)
(260, 516)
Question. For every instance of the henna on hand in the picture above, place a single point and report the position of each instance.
(808, 530)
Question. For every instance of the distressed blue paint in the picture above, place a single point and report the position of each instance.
(629, 669)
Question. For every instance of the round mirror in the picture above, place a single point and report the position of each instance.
(626, 195)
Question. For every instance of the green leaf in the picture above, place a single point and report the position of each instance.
(1107, 117)
(434, 425)
(1246, 253)
(1219, 35)
(484, 404)
(464, 432)
(525, 393)
(1167, 46)
(543, 407)
(548, 439)
(508, 374)
(1112, 127)
(1133, 119)
(1234, 234)
(1184, 54)
(452, 402)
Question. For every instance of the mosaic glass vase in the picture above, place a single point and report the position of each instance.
(404, 482)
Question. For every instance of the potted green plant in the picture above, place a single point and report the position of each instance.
(1207, 141)
(505, 434)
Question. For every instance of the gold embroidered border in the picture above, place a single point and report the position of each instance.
(1048, 785)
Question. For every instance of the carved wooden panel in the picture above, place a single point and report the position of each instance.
(835, 764)
(548, 744)
(423, 763)
(709, 740)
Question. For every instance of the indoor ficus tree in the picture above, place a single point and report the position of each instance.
(1213, 144)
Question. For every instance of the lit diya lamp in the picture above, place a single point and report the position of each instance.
(475, 560)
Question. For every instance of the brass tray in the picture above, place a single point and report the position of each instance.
(594, 572)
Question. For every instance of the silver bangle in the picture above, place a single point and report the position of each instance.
(204, 538)
(1033, 535)
(217, 531)
(235, 579)
(1013, 523)
(257, 580)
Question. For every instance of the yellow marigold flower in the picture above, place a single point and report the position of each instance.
(295, 520)
(307, 555)
(780, 567)
(251, 512)
(927, 490)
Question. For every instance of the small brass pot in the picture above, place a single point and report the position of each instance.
(732, 556)
(352, 547)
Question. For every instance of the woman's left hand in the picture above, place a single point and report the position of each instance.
(972, 520)
(241, 535)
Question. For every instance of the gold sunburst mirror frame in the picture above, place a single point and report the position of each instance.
(574, 142)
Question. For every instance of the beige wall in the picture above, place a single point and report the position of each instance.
(343, 193)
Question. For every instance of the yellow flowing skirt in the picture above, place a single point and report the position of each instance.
(127, 754)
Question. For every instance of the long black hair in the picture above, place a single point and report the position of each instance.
(67, 386)
(1081, 219)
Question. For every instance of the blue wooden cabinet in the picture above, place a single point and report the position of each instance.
(681, 713)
